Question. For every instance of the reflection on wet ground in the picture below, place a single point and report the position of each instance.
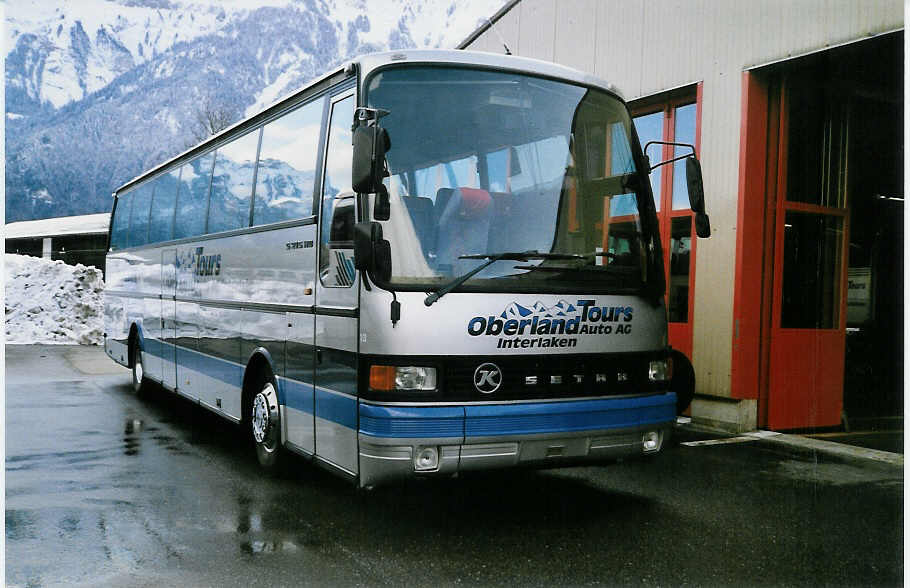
(131, 436)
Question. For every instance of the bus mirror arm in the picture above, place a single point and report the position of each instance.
(693, 181)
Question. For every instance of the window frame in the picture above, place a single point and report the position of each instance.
(667, 102)
(335, 97)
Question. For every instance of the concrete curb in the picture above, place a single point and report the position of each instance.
(808, 446)
(796, 445)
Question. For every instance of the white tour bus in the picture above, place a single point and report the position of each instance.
(422, 263)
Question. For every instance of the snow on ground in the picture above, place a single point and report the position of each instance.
(52, 302)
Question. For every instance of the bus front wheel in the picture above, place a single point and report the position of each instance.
(265, 424)
(140, 382)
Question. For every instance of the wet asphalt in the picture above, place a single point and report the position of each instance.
(107, 488)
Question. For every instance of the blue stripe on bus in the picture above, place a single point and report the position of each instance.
(336, 408)
(152, 346)
(213, 367)
(297, 395)
(410, 421)
(557, 417)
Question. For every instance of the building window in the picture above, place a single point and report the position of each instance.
(672, 117)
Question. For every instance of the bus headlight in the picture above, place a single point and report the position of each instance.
(660, 370)
(398, 377)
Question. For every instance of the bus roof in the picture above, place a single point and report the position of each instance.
(366, 64)
(490, 60)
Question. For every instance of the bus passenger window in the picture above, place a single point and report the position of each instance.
(287, 166)
(162, 227)
(336, 252)
(139, 218)
(192, 198)
(120, 228)
(232, 184)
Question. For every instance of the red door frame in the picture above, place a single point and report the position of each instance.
(679, 334)
(749, 338)
(759, 366)
(805, 366)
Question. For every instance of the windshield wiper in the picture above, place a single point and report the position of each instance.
(553, 268)
(491, 259)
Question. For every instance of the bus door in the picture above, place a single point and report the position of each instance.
(168, 318)
(336, 298)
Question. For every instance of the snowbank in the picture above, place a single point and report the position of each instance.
(52, 302)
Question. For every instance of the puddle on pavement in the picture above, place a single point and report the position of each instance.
(255, 536)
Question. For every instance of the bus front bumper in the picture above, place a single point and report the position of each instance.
(398, 442)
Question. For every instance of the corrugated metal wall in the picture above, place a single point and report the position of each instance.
(645, 47)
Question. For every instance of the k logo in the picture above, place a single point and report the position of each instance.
(487, 378)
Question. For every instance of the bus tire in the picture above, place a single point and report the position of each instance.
(683, 381)
(265, 423)
(137, 369)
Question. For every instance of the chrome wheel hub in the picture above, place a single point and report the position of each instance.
(265, 416)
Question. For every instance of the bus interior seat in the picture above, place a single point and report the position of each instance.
(443, 195)
(464, 227)
(422, 217)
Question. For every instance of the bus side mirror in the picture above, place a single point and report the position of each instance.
(372, 253)
(697, 197)
(368, 167)
(382, 207)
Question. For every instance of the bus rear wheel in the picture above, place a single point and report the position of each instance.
(265, 424)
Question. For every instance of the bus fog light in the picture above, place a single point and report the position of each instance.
(650, 441)
(426, 459)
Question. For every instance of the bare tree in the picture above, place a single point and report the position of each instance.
(210, 119)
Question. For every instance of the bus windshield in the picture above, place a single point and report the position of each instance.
(484, 163)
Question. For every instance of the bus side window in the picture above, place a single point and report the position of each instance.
(287, 165)
(341, 234)
(192, 198)
(139, 217)
(336, 255)
(162, 227)
(232, 184)
(120, 228)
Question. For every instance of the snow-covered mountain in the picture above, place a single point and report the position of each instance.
(98, 90)
(60, 52)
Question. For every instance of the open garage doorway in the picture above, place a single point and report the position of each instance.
(832, 279)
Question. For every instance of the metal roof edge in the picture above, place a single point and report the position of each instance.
(83, 224)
